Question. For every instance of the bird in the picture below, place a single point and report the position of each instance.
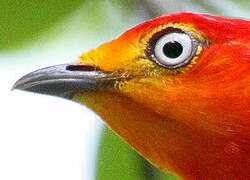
(176, 88)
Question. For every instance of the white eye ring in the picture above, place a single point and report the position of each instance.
(174, 50)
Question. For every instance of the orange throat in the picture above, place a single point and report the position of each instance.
(175, 147)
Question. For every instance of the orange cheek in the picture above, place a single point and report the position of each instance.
(113, 55)
(205, 108)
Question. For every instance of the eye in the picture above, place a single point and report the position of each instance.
(174, 49)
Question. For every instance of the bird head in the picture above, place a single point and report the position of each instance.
(176, 88)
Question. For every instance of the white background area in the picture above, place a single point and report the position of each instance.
(43, 137)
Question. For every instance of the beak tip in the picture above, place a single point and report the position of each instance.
(19, 84)
(15, 86)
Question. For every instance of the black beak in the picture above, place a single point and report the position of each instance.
(63, 80)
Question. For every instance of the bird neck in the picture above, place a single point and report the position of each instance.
(171, 145)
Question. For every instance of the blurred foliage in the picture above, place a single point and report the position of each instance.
(24, 20)
(117, 160)
(242, 3)
(106, 16)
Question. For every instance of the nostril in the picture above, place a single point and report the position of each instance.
(81, 67)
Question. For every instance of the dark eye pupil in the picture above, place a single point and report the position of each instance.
(172, 49)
